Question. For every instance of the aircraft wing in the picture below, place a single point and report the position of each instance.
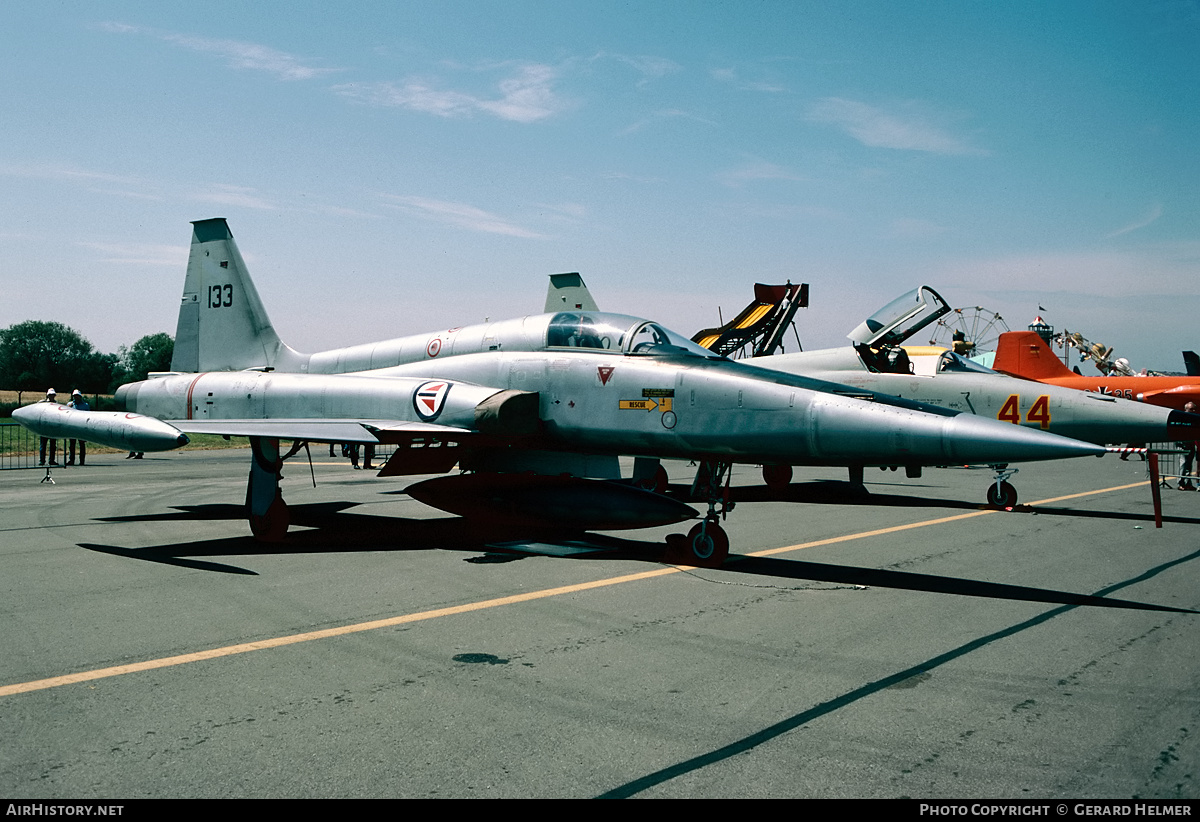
(325, 430)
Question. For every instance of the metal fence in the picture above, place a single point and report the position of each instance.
(18, 446)
(1171, 457)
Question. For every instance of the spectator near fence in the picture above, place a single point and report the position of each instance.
(51, 396)
(79, 404)
(1189, 456)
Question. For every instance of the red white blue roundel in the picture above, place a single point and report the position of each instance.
(429, 398)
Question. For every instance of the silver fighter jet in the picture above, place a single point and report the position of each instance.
(940, 377)
(535, 411)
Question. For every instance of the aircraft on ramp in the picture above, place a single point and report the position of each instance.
(936, 376)
(1025, 354)
(535, 411)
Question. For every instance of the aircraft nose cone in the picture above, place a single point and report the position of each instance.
(1180, 425)
(1004, 442)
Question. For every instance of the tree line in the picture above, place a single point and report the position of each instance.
(37, 355)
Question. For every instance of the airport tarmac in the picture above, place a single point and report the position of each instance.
(906, 644)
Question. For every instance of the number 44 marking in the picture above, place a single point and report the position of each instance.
(1039, 412)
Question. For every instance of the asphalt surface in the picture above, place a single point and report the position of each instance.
(909, 644)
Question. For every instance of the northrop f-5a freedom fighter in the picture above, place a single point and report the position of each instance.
(535, 411)
(878, 361)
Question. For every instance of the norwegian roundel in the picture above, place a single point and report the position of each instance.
(429, 398)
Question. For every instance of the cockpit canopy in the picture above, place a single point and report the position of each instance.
(951, 363)
(900, 319)
(602, 331)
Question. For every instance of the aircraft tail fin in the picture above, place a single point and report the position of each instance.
(222, 323)
(568, 292)
(1025, 354)
(1192, 363)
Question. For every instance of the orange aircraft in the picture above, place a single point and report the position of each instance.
(1025, 354)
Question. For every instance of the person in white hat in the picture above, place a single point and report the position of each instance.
(79, 404)
(51, 396)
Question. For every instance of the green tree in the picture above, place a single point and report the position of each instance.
(38, 355)
(150, 353)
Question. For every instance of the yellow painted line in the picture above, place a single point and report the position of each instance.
(277, 642)
(309, 636)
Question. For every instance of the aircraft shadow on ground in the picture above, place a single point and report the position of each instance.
(328, 528)
(837, 492)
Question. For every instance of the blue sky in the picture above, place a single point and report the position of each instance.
(396, 167)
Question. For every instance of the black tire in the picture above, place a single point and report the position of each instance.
(708, 545)
(1004, 496)
(777, 477)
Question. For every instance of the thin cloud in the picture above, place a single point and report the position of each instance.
(238, 196)
(733, 78)
(462, 216)
(757, 171)
(661, 115)
(905, 129)
(911, 228)
(1112, 273)
(65, 173)
(525, 97)
(139, 253)
(648, 66)
(1151, 216)
(236, 53)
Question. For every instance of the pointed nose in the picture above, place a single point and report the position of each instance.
(975, 439)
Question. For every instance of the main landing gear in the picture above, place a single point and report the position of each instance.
(265, 508)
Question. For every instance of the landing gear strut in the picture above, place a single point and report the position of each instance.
(707, 543)
(265, 508)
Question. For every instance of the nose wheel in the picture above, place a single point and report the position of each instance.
(708, 544)
(1000, 493)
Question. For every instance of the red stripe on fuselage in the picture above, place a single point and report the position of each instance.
(191, 386)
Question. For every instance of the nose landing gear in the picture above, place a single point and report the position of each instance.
(707, 544)
(1000, 493)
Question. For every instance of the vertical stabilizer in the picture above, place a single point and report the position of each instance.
(568, 292)
(1192, 363)
(222, 323)
(1025, 354)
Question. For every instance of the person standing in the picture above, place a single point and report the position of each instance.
(79, 404)
(51, 396)
(1189, 456)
